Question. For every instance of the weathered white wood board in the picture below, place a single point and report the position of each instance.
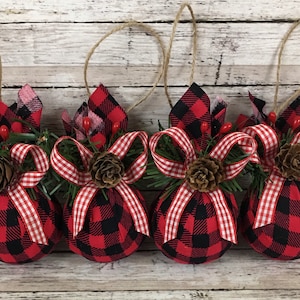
(162, 10)
(165, 295)
(45, 43)
(228, 54)
(150, 270)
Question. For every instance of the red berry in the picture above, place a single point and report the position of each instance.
(4, 132)
(272, 117)
(86, 124)
(204, 127)
(99, 140)
(226, 127)
(17, 127)
(296, 122)
(115, 128)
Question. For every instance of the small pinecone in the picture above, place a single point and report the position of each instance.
(204, 174)
(106, 169)
(288, 161)
(6, 173)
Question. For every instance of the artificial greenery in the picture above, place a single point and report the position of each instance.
(45, 140)
(68, 149)
(166, 148)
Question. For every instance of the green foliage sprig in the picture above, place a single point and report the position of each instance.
(168, 149)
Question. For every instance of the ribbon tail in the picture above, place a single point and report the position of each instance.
(268, 201)
(81, 205)
(136, 209)
(225, 219)
(181, 199)
(28, 213)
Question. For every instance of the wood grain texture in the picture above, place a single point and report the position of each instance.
(228, 54)
(162, 10)
(45, 42)
(165, 295)
(236, 270)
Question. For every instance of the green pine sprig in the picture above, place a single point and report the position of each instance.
(166, 148)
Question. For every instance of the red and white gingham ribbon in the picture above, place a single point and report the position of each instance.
(269, 140)
(18, 195)
(83, 178)
(267, 204)
(185, 192)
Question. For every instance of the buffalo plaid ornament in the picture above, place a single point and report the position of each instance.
(29, 228)
(192, 226)
(270, 221)
(103, 224)
(30, 221)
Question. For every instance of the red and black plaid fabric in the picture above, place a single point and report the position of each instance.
(218, 115)
(28, 108)
(108, 233)
(280, 239)
(287, 117)
(258, 116)
(101, 108)
(15, 243)
(190, 111)
(198, 239)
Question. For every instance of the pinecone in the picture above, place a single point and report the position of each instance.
(6, 173)
(204, 174)
(106, 169)
(288, 161)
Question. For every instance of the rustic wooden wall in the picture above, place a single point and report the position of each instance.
(45, 43)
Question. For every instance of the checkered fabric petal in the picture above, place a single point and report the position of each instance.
(258, 116)
(198, 237)
(103, 111)
(258, 108)
(16, 245)
(218, 115)
(103, 104)
(108, 232)
(28, 108)
(190, 111)
(286, 119)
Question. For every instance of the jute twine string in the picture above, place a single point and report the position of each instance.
(168, 52)
(278, 109)
(148, 29)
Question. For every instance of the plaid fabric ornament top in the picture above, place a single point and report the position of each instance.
(192, 110)
(27, 108)
(192, 225)
(105, 222)
(102, 111)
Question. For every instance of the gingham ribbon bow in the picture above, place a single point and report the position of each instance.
(275, 182)
(185, 192)
(18, 195)
(89, 189)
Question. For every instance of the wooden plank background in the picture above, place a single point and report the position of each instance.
(44, 43)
